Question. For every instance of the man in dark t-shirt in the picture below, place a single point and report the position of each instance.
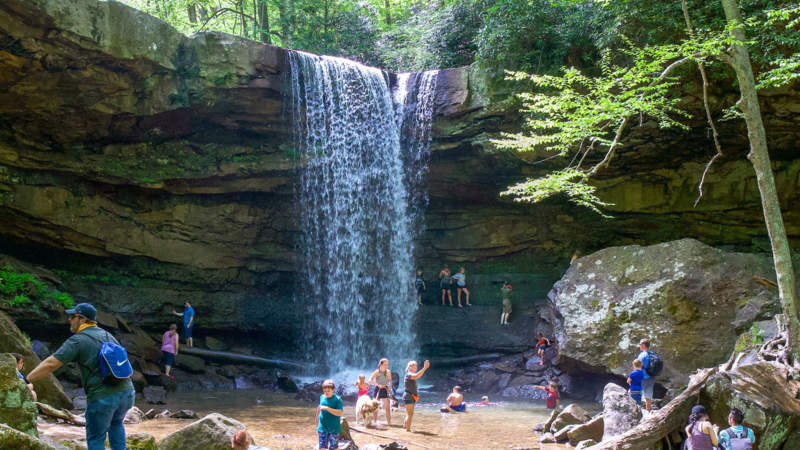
(106, 404)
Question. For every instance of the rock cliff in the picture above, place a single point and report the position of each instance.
(146, 167)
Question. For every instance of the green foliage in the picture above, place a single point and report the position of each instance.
(19, 288)
(571, 182)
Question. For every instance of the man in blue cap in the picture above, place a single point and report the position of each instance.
(188, 322)
(106, 404)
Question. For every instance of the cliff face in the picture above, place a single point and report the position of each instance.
(147, 168)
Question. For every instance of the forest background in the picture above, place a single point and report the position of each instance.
(537, 36)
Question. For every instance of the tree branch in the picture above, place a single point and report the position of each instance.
(710, 120)
(219, 12)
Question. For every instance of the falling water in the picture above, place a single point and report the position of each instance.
(354, 196)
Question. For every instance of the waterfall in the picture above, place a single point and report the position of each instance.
(357, 225)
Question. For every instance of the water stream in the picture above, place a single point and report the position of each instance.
(359, 198)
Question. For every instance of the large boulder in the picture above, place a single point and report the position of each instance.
(212, 432)
(17, 408)
(592, 429)
(14, 439)
(571, 415)
(767, 396)
(13, 341)
(620, 411)
(687, 297)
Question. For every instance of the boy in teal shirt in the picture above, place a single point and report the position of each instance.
(329, 412)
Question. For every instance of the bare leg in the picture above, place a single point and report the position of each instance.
(648, 404)
(167, 369)
(443, 294)
(466, 291)
(409, 416)
(450, 297)
(190, 340)
(458, 296)
(388, 411)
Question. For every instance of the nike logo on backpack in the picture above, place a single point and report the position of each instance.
(121, 363)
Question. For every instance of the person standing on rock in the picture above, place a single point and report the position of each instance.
(20, 363)
(505, 291)
(106, 403)
(419, 284)
(460, 280)
(188, 322)
(169, 348)
(635, 382)
(445, 281)
(648, 382)
(329, 413)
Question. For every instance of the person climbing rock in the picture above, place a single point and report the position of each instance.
(445, 280)
(542, 344)
(188, 322)
(169, 348)
(505, 292)
(106, 403)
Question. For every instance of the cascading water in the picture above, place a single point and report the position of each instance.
(353, 202)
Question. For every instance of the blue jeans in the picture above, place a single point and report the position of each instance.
(105, 415)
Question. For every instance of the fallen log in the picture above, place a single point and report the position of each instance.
(240, 358)
(62, 414)
(352, 428)
(662, 421)
(464, 359)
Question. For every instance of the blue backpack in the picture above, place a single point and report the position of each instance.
(112, 359)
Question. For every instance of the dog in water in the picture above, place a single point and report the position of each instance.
(365, 408)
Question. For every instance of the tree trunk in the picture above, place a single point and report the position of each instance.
(388, 8)
(759, 157)
(263, 21)
(192, 11)
(662, 421)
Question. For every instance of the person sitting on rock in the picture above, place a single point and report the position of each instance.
(701, 432)
(552, 394)
(737, 436)
(542, 344)
(455, 401)
(20, 363)
(505, 292)
(635, 382)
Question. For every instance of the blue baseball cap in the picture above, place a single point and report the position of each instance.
(85, 310)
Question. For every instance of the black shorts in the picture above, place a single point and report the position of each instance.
(461, 287)
(169, 358)
(383, 393)
(420, 289)
(408, 399)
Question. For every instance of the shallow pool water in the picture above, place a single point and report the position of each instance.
(278, 421)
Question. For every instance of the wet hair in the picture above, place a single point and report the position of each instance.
(380, 363)
(485, 398)
(645, 342)
(240, 440)
(17, 356)
(410, 363)
(328, 383)
(737, 415)
(173, 327)
(637, 363)
(457, 389)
